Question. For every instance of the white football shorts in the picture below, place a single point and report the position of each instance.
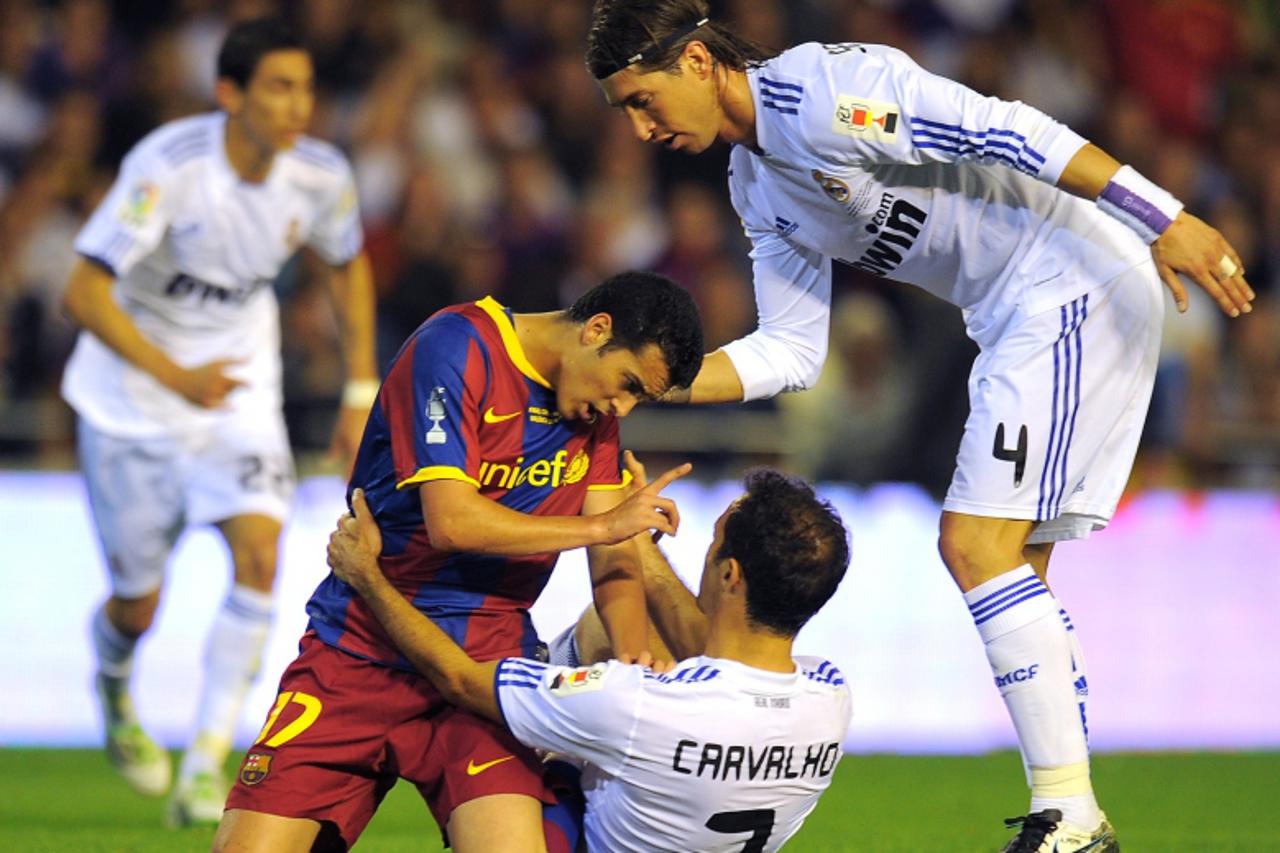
(1057, 406)
(143, 492)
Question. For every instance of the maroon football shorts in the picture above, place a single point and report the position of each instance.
(343, 730)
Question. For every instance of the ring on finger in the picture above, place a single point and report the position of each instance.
(1227, 268)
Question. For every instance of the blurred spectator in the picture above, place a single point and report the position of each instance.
(853, 424)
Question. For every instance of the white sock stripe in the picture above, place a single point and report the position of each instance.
(984, 592)
(983, 608)
(110, 636)
(248, 603)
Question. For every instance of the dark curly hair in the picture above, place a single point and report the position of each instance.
(792, 546)
(651, 34)
(648, 308)
(248, 42)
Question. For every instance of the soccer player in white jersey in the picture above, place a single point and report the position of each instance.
(176, 375)
(732, 747)
(1053, 251)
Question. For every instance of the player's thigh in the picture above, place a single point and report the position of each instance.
(136, 496)
(242, 467)
(497, 822)
(242, 831)
(586, 642)
(1047, 401)
(323, 753)
(470, 758)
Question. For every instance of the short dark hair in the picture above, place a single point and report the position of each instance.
(792, 547)
(651, 34)
(248, 42)
(648, 308)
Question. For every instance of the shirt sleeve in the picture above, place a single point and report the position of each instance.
(431, 400)
(793, 311)
(337, 235)
(589, 713)
(132, 219)
(889, 109)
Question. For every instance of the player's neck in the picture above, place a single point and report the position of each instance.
(731, 639)
(739, 108)
(250, 161)
(541, 337)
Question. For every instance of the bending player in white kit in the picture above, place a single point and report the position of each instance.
(734, 745)
(176, 376)
(1053, 251)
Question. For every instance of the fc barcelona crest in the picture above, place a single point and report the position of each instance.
(255, 768)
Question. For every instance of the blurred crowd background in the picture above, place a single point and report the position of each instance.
(488, 163)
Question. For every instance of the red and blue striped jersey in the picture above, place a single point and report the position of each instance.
(462, 402)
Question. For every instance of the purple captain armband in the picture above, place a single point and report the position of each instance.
(1138, 203)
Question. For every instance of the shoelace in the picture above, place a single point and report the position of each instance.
(1034, 829)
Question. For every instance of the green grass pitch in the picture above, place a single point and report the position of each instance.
(70, 800)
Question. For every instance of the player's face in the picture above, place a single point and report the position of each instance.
(680, 112)
(275, 108)
(593, 379)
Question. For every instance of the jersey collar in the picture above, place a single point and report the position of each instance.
(762, 127)
(502, 319)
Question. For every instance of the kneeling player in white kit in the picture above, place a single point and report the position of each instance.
(731, 747)
(1052, 250)
(176, 376)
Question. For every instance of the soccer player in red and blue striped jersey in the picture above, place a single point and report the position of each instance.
(492, 447)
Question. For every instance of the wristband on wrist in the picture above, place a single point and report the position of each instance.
(1138, 203)
(360, 393)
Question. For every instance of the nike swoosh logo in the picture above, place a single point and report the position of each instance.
(491, 418)
(1091, 846)
(474, 769)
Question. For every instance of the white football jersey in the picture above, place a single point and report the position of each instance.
(865, 158)
(712, 756)
(195, 250)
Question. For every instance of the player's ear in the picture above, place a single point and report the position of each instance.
(698, 59)
(228, 95)
(597, 330)
(731, 576)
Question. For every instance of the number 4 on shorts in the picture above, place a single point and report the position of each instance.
(1016, 455)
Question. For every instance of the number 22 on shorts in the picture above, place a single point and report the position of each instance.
(311, 707)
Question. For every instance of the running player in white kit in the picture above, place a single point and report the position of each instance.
(1053, 251)
(176, 375)
(727, 751)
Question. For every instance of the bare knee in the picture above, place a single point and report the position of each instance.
(133, 616)
(976, 549)
(255, 549)
(242, 831)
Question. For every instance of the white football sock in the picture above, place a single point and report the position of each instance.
(1030, 654)
(114, 652)
(233, 657)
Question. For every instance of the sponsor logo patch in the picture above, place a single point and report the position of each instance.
(255, 768)
(140, 204)
(584, 679)
(865, 119)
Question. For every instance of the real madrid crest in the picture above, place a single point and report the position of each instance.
(836, 189)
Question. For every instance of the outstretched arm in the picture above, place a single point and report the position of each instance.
(353, 556)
